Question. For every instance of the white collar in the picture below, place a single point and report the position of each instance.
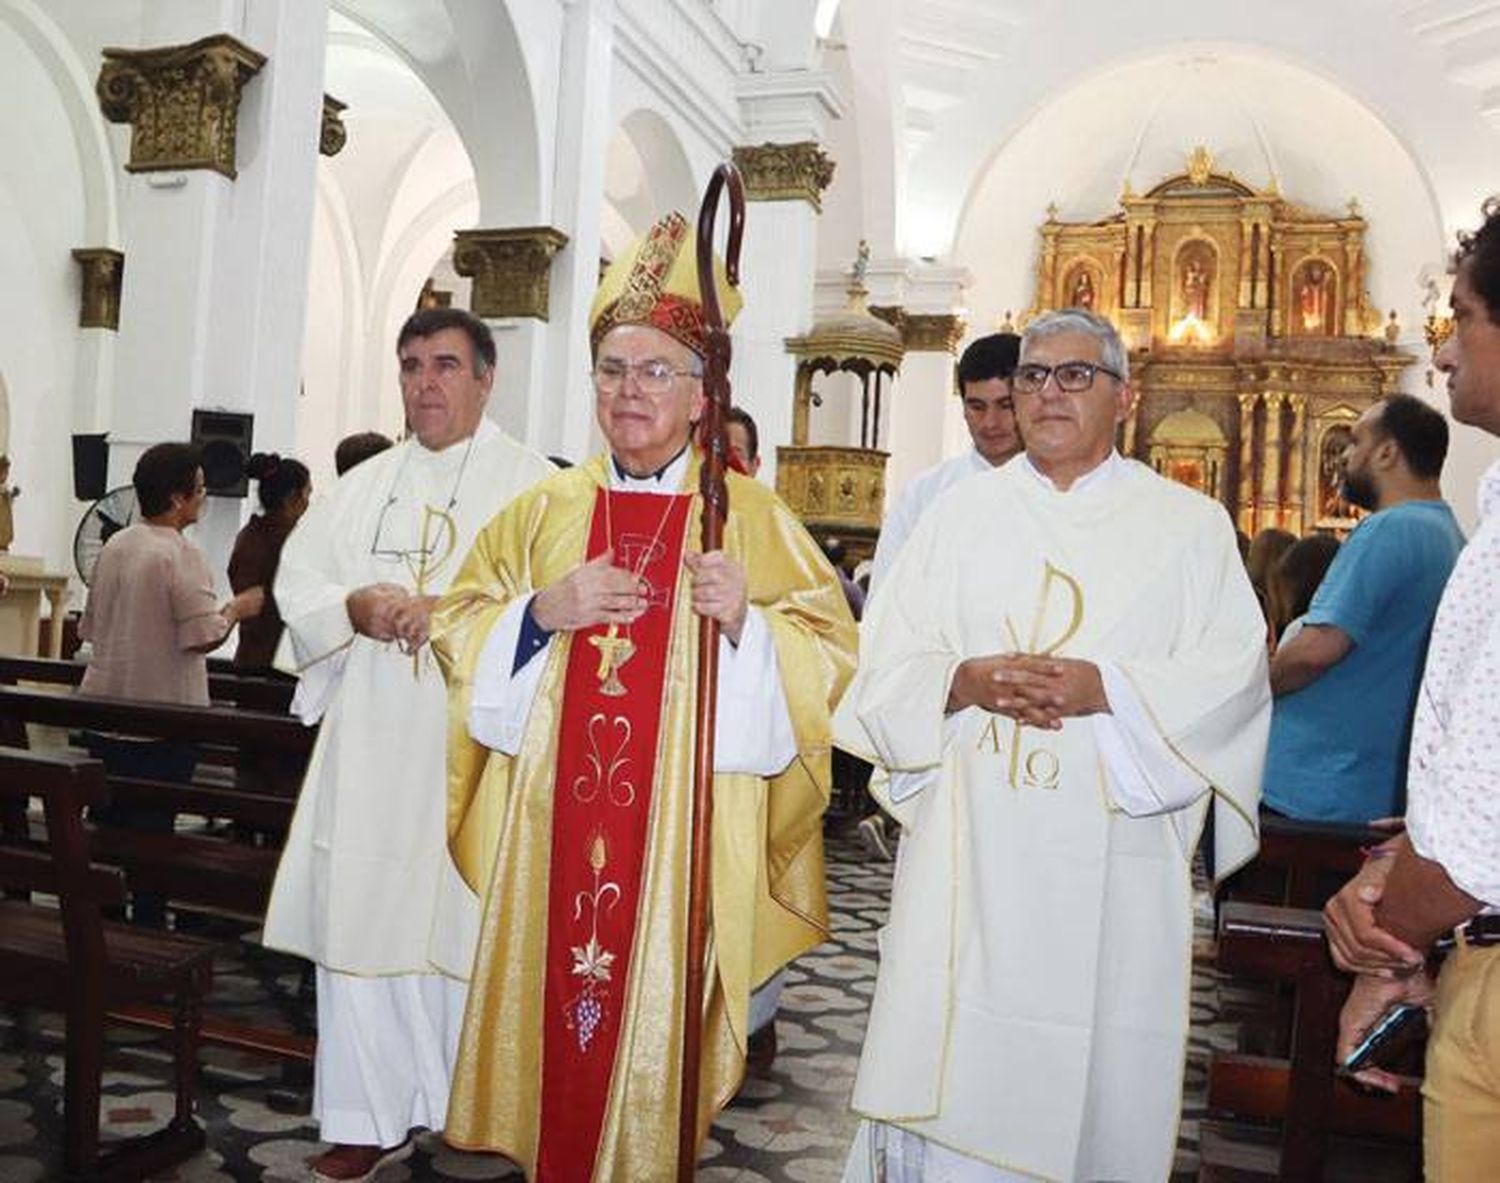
(666, 480)
(1107, 470)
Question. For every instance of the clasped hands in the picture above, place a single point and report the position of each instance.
(1038, 691)
(598, 592)
(389, 612)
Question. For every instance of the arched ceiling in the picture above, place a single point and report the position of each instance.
(943, 85)
(1270, 124)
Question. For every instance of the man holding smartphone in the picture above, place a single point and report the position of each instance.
(1443, 875)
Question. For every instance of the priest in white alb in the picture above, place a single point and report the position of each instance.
(1063, 674)
(365, 887)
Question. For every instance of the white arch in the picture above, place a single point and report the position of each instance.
(96, 168)
(1384, 68)
(647, 174)
(473, 61)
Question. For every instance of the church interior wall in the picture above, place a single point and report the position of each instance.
(959, 129)
(1134, 124)
(60, 197)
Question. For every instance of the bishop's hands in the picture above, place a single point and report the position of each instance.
(1037, 691)
(598, 592)
(721, 591)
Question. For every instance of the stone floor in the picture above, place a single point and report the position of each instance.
(790, 1123)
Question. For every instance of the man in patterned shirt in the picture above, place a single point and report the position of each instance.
(1443, 875)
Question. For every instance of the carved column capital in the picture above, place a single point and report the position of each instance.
(785, 172)
(99, 303)
(181, 101)
(511, 269)
(333, 135)
(932, 332)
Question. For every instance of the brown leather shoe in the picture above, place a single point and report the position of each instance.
(354, 1164)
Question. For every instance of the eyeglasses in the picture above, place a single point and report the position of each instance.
(1070, 376)
(653, 376)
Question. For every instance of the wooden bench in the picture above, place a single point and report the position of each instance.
(196, 871)
(258, 692)
(69, 955)
(1301, 864)
(1302, 1091)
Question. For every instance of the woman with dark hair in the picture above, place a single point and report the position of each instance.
(151, 620)
(285, 488)
(1293, 579)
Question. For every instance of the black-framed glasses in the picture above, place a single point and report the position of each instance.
(1070, 376)
(652, 376)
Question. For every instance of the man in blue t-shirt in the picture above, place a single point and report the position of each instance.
(1346, 684)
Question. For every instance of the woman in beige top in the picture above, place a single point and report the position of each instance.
(151, 620)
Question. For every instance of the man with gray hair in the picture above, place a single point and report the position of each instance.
(1064, 669)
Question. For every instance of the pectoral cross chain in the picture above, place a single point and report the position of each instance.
(614, 651)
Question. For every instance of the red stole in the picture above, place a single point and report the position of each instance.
(606, 768)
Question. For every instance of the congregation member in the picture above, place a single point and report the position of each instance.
(355, 449)
(1063, 669)
(1346, 684)
(1440, 881)
(284, 487)
(572, 637)
(1292, 583)
(1262, 555)
(984, 371)
(151, 620)
(744, 439)
(365, 888)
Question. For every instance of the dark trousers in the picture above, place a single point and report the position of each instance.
(150, 759)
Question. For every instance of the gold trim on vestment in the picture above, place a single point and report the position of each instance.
(767, 895)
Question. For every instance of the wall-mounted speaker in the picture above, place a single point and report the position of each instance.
(225, 438)
(90, 466)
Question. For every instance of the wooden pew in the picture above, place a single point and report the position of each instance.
(260, 692)
(196, 871)
(69, 954)
(1302, 1092)
(1301, 864)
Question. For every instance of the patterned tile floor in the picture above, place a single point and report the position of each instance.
(790, 1123)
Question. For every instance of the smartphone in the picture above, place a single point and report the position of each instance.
(1391, 1033)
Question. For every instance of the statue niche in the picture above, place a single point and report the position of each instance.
(1314, 290)
(1081, 287)
(1331, 503)
(1193, 311)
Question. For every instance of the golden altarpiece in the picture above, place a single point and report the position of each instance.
(1253, 347)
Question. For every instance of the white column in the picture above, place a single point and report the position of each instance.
(214, 301)
(925, 424)
(780, 248)
(560, 409)
(780, 252)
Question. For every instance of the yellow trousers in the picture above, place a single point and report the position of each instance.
(1461, 1092)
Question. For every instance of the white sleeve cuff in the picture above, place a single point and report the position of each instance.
(753, 728)
(1142, 774)
(501, 700)
(906, 785)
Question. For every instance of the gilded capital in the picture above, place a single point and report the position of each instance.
(785, 172)
(333, 135)
(932, 332)
(511, 269)
(181, 101)
(99, 303)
